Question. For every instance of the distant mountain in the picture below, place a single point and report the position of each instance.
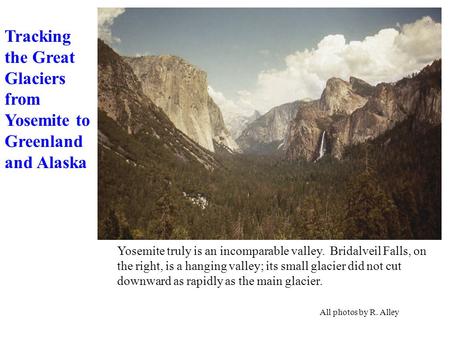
(266, 134)
(349, 113)
(237, 123)
(222, 137)
(180, 89)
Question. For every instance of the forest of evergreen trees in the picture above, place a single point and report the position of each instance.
(389, 188)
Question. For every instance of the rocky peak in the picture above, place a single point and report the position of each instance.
(361, 87)
(256, 115)
(171, 63)
(432, 72)
(354, 112)
(420, 95)
(339, 98)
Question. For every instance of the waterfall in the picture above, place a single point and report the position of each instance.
(322, 147)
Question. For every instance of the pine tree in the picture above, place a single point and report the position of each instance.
(370, 212)
(110, 229)
(166, 222)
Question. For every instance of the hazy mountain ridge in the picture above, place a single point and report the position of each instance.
(237, 123)
(268, 129)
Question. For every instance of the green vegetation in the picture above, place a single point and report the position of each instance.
(385, 189)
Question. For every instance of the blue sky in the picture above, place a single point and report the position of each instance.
(236, 46)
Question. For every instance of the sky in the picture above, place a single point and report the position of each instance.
(259, 58)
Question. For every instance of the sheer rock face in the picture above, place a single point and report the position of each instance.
(269, 128)
(420, 95)
(180, 89)
(121, 98)
(330, 113)
(220, 132)
(354, 112)
(361, 87)
(339, 97)
(303, 135)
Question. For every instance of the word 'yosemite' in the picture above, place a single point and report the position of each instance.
(32, 121)
(40, 37)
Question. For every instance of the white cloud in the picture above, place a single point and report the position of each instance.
(421, 39)
(106, 18)
(387, 56)
(231, 109)
(147, 53)
(228, 107)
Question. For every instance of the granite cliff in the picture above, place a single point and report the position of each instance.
(122, 100)
(354, 112)
(180, 89)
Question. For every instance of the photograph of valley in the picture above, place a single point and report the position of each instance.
(280, 123)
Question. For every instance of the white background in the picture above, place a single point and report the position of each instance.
(57, 280)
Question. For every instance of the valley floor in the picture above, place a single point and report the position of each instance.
(389, 188)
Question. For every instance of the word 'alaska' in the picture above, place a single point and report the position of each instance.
(49, 162)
